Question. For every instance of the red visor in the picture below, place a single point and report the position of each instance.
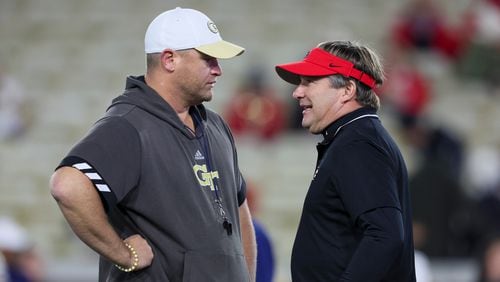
(319, 62)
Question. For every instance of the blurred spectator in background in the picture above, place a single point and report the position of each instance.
(483, 175)
(422, 26)
(440, 205)
(490, 261)
(255, 108)
(13, 114)
(434, 143)
(21, 257)
(438, 197)
(406, 90)
(265, 253)
(481, 57)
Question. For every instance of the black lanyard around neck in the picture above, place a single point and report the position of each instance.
(205, 147)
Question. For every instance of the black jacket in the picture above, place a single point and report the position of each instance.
(356, 221)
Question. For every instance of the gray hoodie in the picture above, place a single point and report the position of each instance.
(159, 179)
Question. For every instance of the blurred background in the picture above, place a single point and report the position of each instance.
(62, 61)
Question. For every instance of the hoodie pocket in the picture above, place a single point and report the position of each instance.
(216, 267)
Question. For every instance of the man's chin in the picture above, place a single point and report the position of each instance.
(315, 132)
(312, 129)
(204, 99)
(208, 98)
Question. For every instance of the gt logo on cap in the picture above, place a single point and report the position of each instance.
(212, 27)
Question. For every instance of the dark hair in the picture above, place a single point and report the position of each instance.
(152, 61)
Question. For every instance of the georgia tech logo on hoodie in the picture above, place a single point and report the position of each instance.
(205, 177)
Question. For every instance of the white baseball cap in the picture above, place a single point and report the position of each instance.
(182, 28)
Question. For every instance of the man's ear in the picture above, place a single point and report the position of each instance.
(349, 92)
(167, 60)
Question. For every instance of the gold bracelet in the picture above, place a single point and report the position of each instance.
(135, 259)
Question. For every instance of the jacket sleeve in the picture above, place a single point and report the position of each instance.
(111, 149)
(381, 244)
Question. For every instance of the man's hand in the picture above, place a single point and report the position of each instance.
(143, 250)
